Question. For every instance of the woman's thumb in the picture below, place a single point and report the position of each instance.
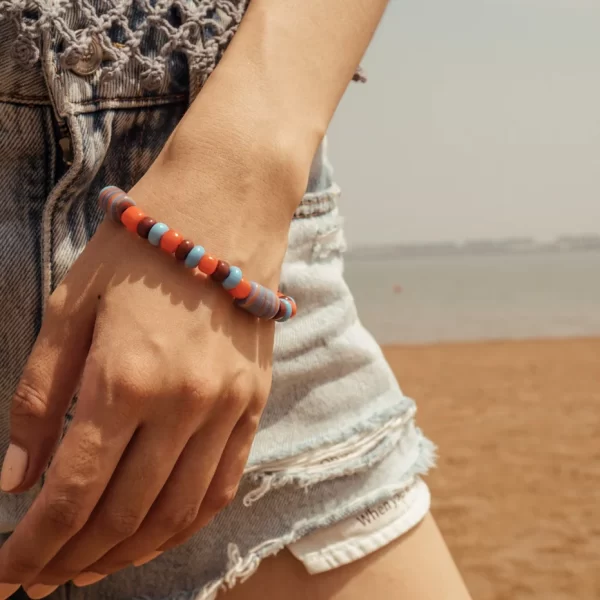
(42, 396)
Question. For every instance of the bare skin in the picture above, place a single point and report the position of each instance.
(417, 566)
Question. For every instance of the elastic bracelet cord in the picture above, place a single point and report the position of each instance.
(249, 295)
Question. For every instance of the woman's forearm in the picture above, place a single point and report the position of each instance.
(284, 73)
(291, 61)
(237, 165)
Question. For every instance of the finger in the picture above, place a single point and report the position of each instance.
(133, 488)
(224, 484)
(177, 506)
(47, 385)
(78, 475)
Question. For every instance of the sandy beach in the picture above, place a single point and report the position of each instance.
(517, 488)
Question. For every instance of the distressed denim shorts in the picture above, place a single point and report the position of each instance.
(337, 442)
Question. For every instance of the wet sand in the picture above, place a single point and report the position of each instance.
(517, 488)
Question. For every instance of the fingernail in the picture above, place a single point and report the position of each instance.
(8, 589)
(146, 559)
(88, 578)
(13, 469)
(40, 590)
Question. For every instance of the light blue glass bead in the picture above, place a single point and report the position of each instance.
(156, 233)
(194, 256)
(234, 277)
(288, 310)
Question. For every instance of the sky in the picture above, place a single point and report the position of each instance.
(480, 119)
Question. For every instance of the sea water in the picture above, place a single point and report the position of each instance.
(455, 298)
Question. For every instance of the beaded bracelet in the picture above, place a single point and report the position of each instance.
(249, 295)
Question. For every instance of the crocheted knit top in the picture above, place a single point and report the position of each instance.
(148, 32)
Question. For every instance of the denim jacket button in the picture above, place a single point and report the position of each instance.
(91, 57)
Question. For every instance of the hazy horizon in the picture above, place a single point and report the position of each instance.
(479, 120)
(492, 240)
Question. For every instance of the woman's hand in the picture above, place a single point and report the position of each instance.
(173, 376)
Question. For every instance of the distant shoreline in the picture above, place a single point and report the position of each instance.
(468, 249)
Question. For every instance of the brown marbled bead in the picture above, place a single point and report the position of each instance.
(144, 227)
(221, 272)
(183, 249)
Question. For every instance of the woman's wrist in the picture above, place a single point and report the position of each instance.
(231, 192)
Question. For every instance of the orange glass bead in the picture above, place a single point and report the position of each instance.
(170, 240)
(208, 264)
(241, 290)
(131, 217)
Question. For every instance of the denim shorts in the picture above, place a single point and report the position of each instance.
(337, 437)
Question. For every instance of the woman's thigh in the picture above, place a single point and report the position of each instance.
(417, 566)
